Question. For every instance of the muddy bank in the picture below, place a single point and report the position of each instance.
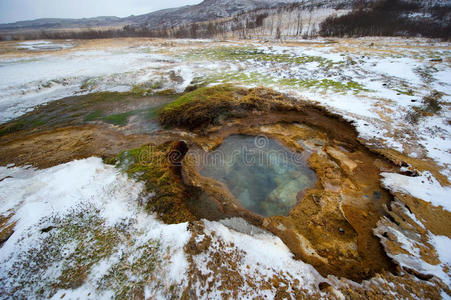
(62, 145)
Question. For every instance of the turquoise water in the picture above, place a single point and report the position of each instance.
(263, 175)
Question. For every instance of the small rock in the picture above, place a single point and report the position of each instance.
(323, 286)
(174, 77)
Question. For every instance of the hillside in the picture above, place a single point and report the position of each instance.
(255, 19)
(52, 23)
(205, 11)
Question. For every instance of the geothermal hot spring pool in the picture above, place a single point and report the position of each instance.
(265, 177)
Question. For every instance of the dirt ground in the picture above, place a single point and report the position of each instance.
(51, 148)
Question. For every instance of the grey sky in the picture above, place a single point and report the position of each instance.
(19, 10)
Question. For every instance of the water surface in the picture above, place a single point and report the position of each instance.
(263, 175)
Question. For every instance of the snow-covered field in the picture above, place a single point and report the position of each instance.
(378, 83)
(95, 196)
(374, 82)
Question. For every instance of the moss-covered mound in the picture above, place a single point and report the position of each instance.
(211, 105)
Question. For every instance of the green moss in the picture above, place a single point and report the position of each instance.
(38, 122)
(150, 164)
(101, 97)
(202, 94)
(81, 109)
(95, 115)
(408, 92)
(74, 244)
(167, 92)
(48, 84)
(128, 277)
(154, 112)
(145, 89)
(92, 239)
(12, 127)
(240, 54)
(118, 119)
(115, 119)
(212, 105)
(88, 84)
(325, 85)
(266, 80)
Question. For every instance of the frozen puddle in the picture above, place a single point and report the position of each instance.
(43, 46)
(264, 176)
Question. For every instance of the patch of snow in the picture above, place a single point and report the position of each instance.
(264, 254)
(413, 260)
(34, 196)
(435, 137)
(425, 187)
(27, 83)
(442, 245)
(43, 46)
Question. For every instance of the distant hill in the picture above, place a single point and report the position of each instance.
(205, 11)
(255, 18)
(55, 23)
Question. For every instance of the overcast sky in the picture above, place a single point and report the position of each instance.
(19, 10)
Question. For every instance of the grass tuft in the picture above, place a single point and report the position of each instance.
(431, 106)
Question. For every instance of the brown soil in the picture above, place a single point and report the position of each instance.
(6, 228)
(51, 148)
(225, 262)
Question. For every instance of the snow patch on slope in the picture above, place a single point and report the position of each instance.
(76, 192)
(425, 187)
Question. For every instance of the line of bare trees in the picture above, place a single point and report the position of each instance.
(390, 18)
(367, 18)
(292, 20)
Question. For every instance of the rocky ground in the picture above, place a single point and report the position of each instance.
(370, 117)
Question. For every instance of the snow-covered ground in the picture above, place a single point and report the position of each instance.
(374, 82)
(377, 83)
(44, 45)
(59, 210)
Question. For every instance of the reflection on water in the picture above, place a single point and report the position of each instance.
(264, 176)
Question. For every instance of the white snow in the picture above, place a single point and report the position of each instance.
(34, 196)
(264, 256)
(265, 251)
(43, 46)
(401, 68)
(412, 243)
(389, 71)
(442, 245)
(425, 187)
(32, 81)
